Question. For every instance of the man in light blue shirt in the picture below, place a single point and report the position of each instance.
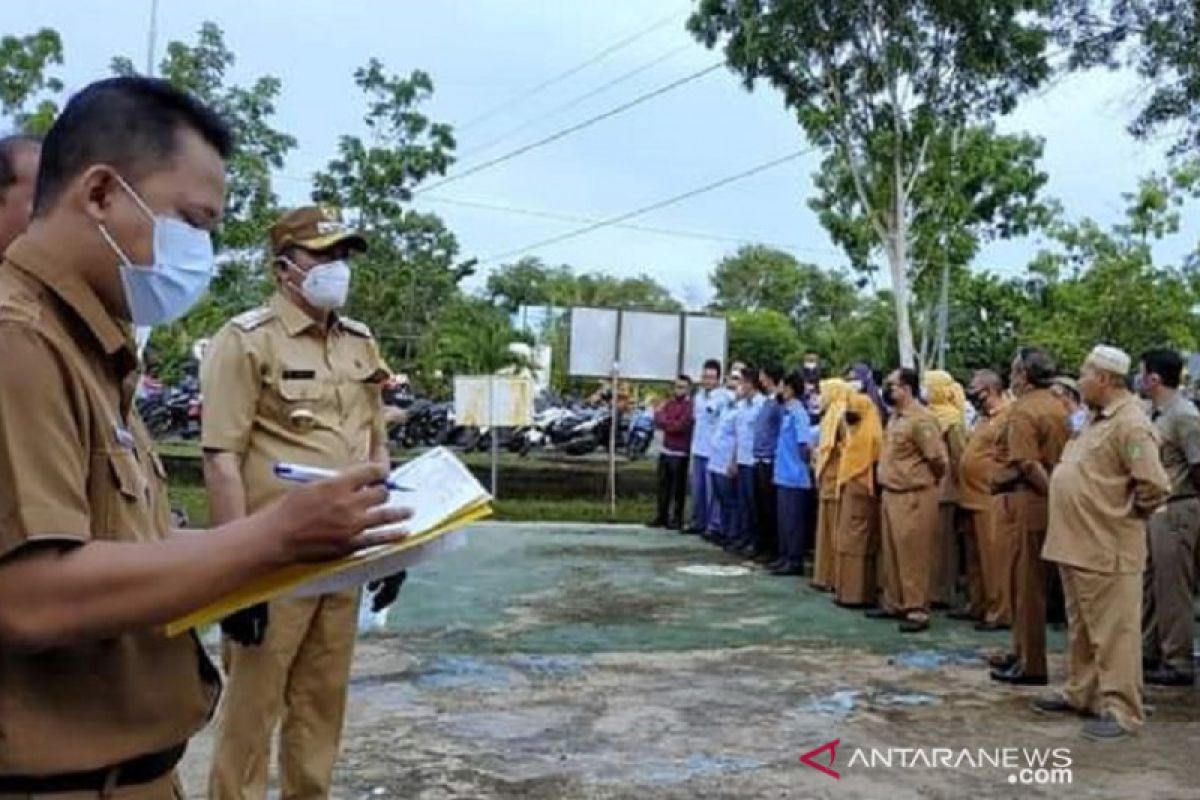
(710, 401)
(722, 473)
(793, 478)
(749, 406)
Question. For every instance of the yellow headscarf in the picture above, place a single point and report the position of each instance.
(834, 393)
(947, 400)
(864, 443)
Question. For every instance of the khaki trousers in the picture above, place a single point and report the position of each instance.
(943, 583)
(1168, 616)
(1104, 666)
(1022, 519)
(910, 528)
(857, 543)
(998, 554)
(825, 556)
(972, 547)
(300, 673)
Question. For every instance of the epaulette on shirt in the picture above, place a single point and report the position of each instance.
(355, 327)
(249, 320)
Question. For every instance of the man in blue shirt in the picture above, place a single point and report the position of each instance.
(749, 405)
(793, 479)
(766, 437)
(710, 400)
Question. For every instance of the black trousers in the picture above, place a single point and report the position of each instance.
(672, 488)
(766, 536)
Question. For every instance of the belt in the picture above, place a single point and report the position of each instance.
(767, 461)
(134, 772)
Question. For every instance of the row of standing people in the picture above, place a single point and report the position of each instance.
(968, 497)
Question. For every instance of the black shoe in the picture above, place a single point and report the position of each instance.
(1003, 662)
(694, 531)
(656, 523)
(778, 563)
(1017, 677)
(788, 570)
(1169, 676)
(1104, 728)
(1052, 704)
(963, 614)
(879, 613)
(851, 606)
(987, 627)
(914, 625)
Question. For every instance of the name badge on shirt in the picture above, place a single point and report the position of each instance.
(124, 437)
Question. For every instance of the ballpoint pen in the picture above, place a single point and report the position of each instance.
(298, 473)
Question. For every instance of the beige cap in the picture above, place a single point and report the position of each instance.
(1068, 382)
(1110, 359)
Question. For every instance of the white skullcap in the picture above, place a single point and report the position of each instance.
(1110, 359)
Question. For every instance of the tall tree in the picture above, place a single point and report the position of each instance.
(531, 282)
(875, 85)
(411, 273)
(25, 79)
(763, 337)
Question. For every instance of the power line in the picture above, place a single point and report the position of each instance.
(587, 123)
(662, 231)
(576, 101)
(562, 76)
(619, 218)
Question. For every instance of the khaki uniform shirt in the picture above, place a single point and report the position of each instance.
(979, 462)
(1178, 425)
(911, 444)
(77, 465)
(279, 388)
(1109, 482)
(1036, 429)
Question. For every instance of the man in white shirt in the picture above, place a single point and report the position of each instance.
(709, 402)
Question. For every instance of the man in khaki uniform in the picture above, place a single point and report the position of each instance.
(1167, 620)
(19, 156)
(95, 701)
(1035, 432)
(1109, 483)
(911, 468)
(292, 381)
(996, 556)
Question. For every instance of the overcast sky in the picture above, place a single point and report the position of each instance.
(484, 53)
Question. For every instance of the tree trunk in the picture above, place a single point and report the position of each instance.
(943, 326)
(897, 256)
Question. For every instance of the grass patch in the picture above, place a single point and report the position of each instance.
(637, 510)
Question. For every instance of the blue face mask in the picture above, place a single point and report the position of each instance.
(183, 267)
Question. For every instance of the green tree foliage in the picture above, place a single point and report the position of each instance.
(411, 274)
(473, 337)
(529, 282)
(763, 337)
(25, 64)
(878, 85)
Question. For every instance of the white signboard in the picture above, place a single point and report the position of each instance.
(493, 400)
(703, 338)
(649, 346)
(593, 341)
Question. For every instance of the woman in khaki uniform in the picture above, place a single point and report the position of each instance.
(857, 539)
(948, 403)
(834, 392)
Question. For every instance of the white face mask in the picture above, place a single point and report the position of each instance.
(183, 267)
(325, 286)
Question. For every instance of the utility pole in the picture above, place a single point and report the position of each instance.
(151, 38)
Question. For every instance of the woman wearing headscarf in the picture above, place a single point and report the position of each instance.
(864, 376)
(834, 392)
(857, 539)
(948, 402)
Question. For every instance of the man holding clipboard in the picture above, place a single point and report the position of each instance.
(291, 385)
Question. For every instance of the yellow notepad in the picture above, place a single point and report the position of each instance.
(444, 498)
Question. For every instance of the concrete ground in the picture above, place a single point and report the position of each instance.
(549, 662)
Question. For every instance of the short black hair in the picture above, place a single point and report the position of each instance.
(1040, 369)
(750, 375)
(795, 379)
(130, 123)
(773, 371)
(910, 378)
(712, 363)
(990, 378)
(9, 145)
(685, 378)
(1166, 364)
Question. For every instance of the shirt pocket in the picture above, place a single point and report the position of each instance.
(301, 401)
(120, 497)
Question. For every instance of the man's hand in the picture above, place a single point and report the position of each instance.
(385, 592)
(327, 519)
(731, 471)
(247, 627)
